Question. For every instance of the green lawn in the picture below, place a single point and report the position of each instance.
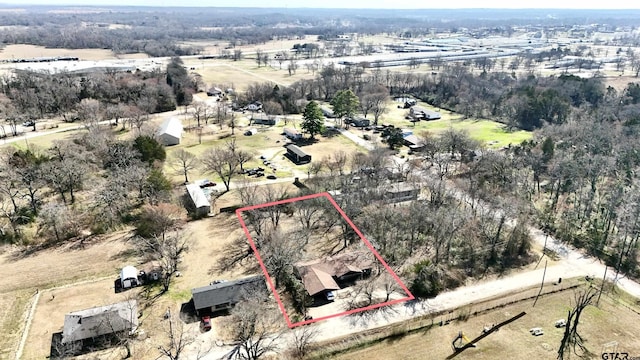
(490, 133)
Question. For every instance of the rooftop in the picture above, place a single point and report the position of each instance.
(228, 292)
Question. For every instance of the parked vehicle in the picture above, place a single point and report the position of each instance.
(206, 323)
(331, 296)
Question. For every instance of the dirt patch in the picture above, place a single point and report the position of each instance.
(598, 326)
(22, 51)
(63, 265)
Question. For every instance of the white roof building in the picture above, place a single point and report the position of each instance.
(199, 199)
(170, 132)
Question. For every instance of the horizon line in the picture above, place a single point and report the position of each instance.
(23, 5)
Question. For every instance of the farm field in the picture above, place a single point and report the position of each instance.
(16, 51)
(240, 74)
(599, 326)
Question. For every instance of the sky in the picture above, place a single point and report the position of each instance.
(380, 4)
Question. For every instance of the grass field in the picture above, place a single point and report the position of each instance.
(599, 326)
(489, 133)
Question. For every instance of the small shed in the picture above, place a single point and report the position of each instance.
(295, 154)
(327, 112)
(170, 132)
(199, 200)
(401, 191)
(129, 276)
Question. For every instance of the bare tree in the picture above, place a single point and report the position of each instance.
(55, 216)
(241, 156)
(256, 327)
(202, 112)
(302, 339)
(571, 340)
(90, 112)
(177, 338)
(167, 251)
(223, 162)
(183, 162)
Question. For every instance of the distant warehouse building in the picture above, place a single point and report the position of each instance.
(170, 132)
(295, 154)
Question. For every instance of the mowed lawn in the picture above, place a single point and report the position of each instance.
(599, 326)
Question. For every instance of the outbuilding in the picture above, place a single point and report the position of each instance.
(170, 132)
(199, 200)
(360, 122)
(292, 134)
(295, 154)
(264, 119)
(129, 276)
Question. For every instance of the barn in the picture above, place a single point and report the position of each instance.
(295, 154)
(170, 132)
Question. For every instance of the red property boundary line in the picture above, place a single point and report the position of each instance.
(346, 218)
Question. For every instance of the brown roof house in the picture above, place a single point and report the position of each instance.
(328, 274)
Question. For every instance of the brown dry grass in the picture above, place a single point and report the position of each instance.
(18, 51)
(240, 74)
(599, 326)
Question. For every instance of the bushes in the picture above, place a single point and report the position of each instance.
(150, 149)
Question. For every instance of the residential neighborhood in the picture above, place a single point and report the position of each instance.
(319, 180)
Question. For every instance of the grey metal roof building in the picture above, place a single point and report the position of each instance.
(104, 320)
(224, 295)
(297, 155)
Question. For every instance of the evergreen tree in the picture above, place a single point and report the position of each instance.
(312, 119)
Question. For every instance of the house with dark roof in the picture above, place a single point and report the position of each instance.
(332, 273)
(89, 324)
(224, 295)
(295, 154)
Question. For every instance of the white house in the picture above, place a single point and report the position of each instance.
(170, 132)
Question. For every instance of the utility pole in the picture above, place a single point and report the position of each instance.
(541, 284)
(604, 279)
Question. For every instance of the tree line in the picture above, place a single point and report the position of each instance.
(126, 97)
